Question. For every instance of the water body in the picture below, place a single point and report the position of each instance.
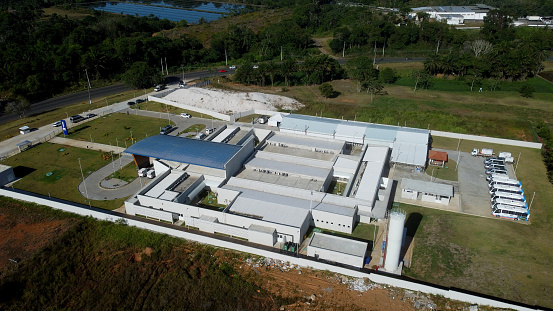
(190, 11)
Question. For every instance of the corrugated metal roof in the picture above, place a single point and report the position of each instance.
(307, 141)
(185, 150)
(338, 244)
(427, 187)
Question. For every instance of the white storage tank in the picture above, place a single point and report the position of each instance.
(395, 239)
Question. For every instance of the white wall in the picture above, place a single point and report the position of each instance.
(332, 221)
(409, 194)
(487, 139)
(378, 278)
(236, 163)
(263, 238)
(326, 254)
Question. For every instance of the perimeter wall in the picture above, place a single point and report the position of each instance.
(261, 251)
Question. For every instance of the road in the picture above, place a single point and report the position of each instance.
(99, 93)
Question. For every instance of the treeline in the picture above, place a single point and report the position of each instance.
(544, 132)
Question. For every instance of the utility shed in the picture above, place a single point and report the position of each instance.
(426, 191)
(6, 174)
(337, 249)
(262, 235)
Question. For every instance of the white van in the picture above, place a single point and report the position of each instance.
(200, 136)
(210, 130)
(142, 172)
(151, 174)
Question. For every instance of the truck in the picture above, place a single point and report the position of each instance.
(507, 157)
(484, 152)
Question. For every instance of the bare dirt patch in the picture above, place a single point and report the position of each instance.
(22, 235)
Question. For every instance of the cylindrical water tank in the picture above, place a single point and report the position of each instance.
(395, 239)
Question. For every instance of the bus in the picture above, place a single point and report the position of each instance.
(504, 182)
(511, 212)
(509, 202)
(497, 176)
(508, 196)
(508, 189)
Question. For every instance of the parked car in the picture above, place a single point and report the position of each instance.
(131, 103)
(182, 84)
(210, 130)
(185, 115)
(166, 130)
(200, 136)
(151, 174)
(90, 115)
(263, 119)
(495, 171)
(159, 87)
(232, 67)
(140, 100)
(56, 124)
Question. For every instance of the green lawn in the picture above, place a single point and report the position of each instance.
(128, 173)
(63, 162)
(116, 129)
(364, 232)
(336, 187)
(164, 108)
(10, 129)
(193, 128)
(477, 253)
(447, 172)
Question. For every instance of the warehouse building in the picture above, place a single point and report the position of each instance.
(409, 145)
(426, 191)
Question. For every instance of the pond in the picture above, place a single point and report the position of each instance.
(191, 11)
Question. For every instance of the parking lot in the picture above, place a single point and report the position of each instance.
(470, 191)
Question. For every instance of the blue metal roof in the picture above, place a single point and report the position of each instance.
(185, 150)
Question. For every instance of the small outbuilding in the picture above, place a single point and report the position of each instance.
(426, 191)
(437, 158)
(337, 249)
(6, 175)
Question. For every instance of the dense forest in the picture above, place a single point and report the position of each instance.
(43, 56)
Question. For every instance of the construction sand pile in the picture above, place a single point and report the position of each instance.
(226, 101)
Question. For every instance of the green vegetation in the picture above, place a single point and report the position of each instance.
(208, 199)
(196, 128)
(363, 232)
(447, 172)
(114, 266)
(36, 164)
(127, 173)
(336, 187)
(117, 129)
(445, 254)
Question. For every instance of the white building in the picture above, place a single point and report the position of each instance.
(426, 191)
(455, 13)
(337, 249)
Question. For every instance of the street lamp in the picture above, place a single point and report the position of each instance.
(82, 175)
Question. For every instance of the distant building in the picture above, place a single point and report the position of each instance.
(454, 15)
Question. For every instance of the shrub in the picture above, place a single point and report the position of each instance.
(527, 91)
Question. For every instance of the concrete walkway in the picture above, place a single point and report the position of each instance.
(86, 145)
(91, 184)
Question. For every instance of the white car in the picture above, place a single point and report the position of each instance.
(232, 67)
(255, 66)
(185, 115)
(142, 172)
(56, 124)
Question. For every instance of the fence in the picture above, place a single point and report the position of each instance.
(247, 247)
(491, 140)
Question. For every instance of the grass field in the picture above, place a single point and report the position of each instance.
(11, 129)
(447, 172)
(498, 257)
(63, 162)
(448, 106)
(163, 108)
(116, 129)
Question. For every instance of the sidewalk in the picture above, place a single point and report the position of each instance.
(86, 145)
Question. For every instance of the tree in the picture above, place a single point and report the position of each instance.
(422, 78)
(373, 87)
(18, 107)
(527, 90)
(140, 76)
(388, 75)
(326, 90)
(362, 70)
(478, 47)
